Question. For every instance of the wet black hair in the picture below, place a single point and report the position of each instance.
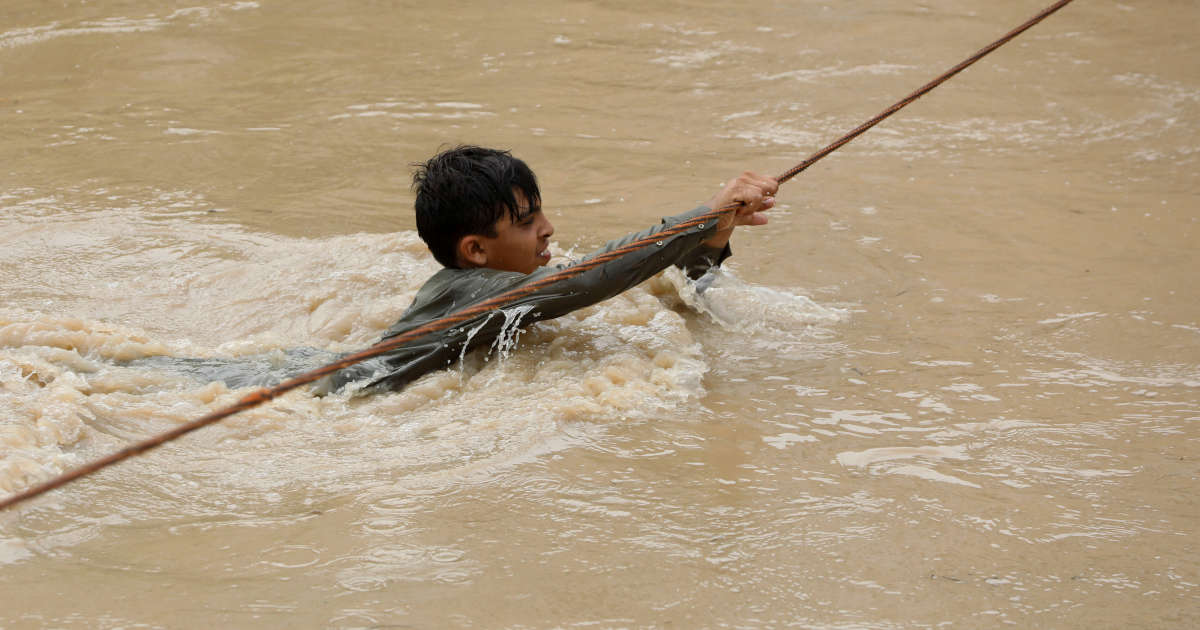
(465, 191)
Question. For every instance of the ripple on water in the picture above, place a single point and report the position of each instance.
(880, 460)
(387, 564)
(290, 556)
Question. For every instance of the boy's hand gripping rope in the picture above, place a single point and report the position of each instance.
(263, 395)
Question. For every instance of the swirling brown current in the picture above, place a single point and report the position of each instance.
(954, 381)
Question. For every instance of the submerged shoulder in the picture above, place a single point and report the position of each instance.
(450, 289)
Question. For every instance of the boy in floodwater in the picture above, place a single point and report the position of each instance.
(480, 213)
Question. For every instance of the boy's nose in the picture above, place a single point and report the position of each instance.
(546, 229)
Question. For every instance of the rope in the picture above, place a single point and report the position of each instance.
(263, 395)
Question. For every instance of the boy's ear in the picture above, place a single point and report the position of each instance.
(471, 252)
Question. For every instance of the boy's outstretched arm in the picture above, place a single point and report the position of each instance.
(754, 193)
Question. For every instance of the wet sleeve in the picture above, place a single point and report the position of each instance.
(702, 259)
(626, 262)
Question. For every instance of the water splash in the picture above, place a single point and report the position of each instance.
(741, 306)
(511, 331)
(462, 353)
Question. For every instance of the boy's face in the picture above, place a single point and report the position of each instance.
(522, 245)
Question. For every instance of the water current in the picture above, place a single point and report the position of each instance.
(955, 382)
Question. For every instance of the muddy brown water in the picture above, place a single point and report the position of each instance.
(955, 382)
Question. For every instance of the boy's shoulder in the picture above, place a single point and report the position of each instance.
(449, 290)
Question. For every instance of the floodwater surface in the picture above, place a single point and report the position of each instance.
(954, 382)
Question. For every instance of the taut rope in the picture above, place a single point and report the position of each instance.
(263, 395)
